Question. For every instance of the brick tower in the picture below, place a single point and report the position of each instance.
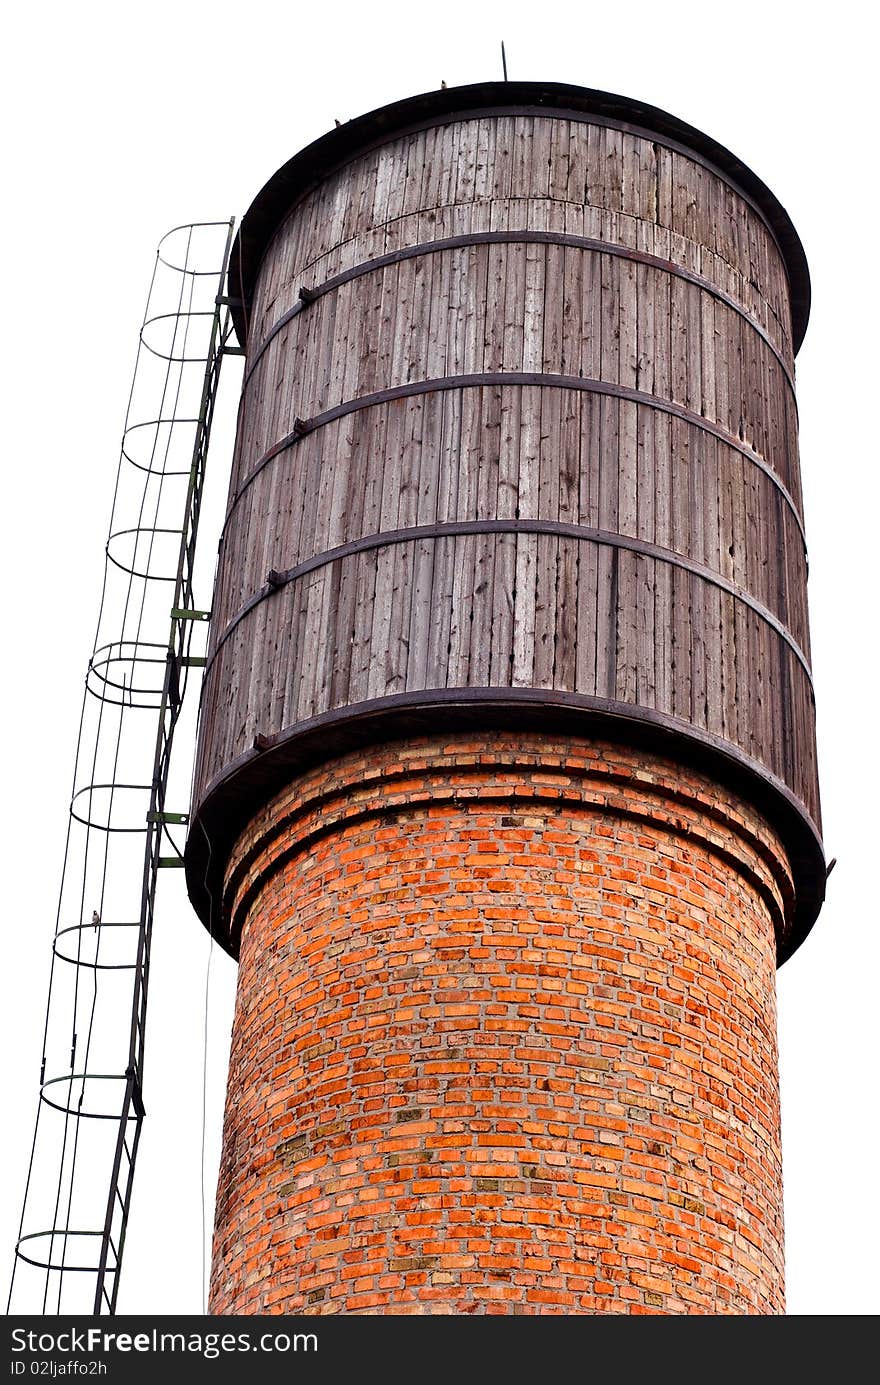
(506, 793)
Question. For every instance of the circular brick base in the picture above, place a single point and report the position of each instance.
(505, 1039)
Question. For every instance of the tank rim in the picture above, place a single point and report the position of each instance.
(245, 784)
(317, 160)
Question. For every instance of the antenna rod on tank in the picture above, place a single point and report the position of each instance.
(503, 60)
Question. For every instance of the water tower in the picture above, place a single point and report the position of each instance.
(506, 794)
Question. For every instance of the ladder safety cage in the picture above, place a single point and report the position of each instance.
(90, 1109)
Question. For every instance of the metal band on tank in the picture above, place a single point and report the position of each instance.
(304, 426)
(431, 247)
(558, 528)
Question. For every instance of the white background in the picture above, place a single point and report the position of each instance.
(122, 121)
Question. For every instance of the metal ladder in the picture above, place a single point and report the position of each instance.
(91, 1107)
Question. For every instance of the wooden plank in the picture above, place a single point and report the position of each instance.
(430, 461)
(678, 339)
(533, 307)
(645, 660)
(528, 487)
(290, 616)
(463, 580)
(564, 671)
(606, 621)
(627, 468)
(524, 613)
(450, 140)
(483, 582)
(507, 506)
(570, 306)
(628, 373)
(645, 529)
(646, 347)
(610, 358)
(559, 159)
(383, 604)
(483, 172)
(381, 422)
(662, 297)
(644, 526)
(626, 666)
(342, 634)
(612, 169)
(699, 657)
(569, 461)
(522, 165)
(546, 565)
(587, 609)
(411, 482)
(681, 644)
(547, 406)
(380, 635)
(693, 331)
(311, 654)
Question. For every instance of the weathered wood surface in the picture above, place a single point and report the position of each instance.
(697, 460)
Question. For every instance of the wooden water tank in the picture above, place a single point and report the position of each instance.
(517, 446)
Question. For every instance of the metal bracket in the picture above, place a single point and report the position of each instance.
(181, 818)
(136, 1097)
(181, 613)
(169, 862)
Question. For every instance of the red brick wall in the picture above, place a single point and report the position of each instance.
(505, 1039)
